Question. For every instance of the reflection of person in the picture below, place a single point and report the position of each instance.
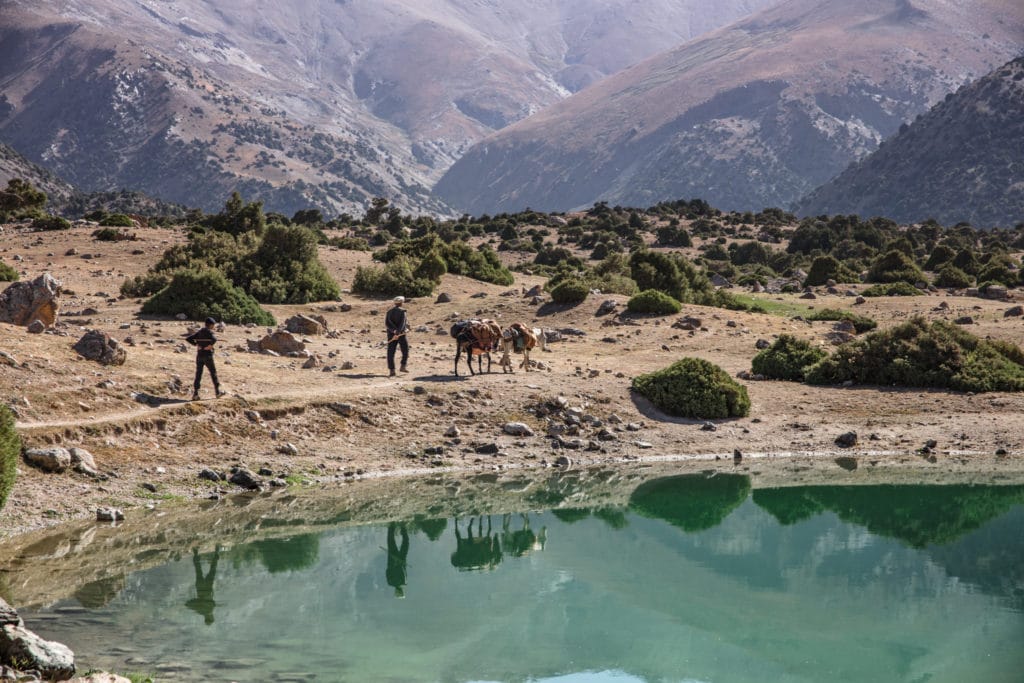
(204, 339)
(203, 603)
(397, 560)
(397, 324)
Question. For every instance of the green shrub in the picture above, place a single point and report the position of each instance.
(892, 289)
(787, 359)
(117, 220)
(940, 256)
(21, 197)
(951, 276)
(394, 279)
(8, 274)
(570, 291)
(861, 323)
(922, 354)
(693, 387)
(51, 223)
(207, 293)
(144, 285)
(10, 450)
(825, 268)
(998, 272)
(653, 302)
(895, 266)
(350, 243)
(111, 235)
(285, 268)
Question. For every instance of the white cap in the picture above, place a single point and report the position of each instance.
(399, 299)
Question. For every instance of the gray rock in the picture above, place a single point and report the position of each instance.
(36, 327)
(562, 461)
(8, 615)
(83, 462)
(606, 434)
(517, 429)
(101, 347)
(847, 440)
(306, 324)
(209, 475)
(964, 320)
(1014, 312)
(995, 292)
(534, 291)
(109, 515)
(343, 409)
(761, 344)
(49, 459)
(486, 449)
(859, 300)
(443, 298)
(719, 281)
(313, 361)
(23, 302)
(246, 479)
(288, 449)
(808, 295)
(452, 432)
(607, 307)
(148, 486)
(643, 444)
(253, 416)
(279, 342)
(54, 661)
(709, 427)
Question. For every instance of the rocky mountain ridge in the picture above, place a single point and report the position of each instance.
(752, 115)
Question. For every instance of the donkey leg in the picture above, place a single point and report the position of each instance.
(458, 352)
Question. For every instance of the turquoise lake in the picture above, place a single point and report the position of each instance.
(697, 578)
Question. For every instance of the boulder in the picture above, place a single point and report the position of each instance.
(306, 324)
(517, 429)
(719, 281)
(24, 302)
(847, 440)
(281, 343)
(534, 291)
(109, 515)
(8, 615)
(607, 306)
(83, 462)
(313, 361)
(54, 661)
(36, 327)
(101, 347)
(998, 292)
(49, 459)
(1014, 312)
(443, 298)
(245, 479)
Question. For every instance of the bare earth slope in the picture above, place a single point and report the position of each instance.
(959, 162)
(136, 420)
(753, 115)
(299, 103)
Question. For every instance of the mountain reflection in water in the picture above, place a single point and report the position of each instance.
(694, 578)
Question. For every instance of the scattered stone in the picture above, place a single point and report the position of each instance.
(761, 344)
(452, 432)
(209, 475)
(607, 307)
(36, 327)
(24, 302)
(265, 472)
(709, 427)
(563, 461)
(719, 281)
(313, 361)
(101, 347)
(859, 300)
(517, 429)
(643, 444)
(847, 463)
(737, 456)
(486, 449)
(109, 515)
(343, 409)
(279, 342)
(348, 365)
(53, 661)
(148, 486)
(83, 462)
(49, 459)
(246, 479)
(605, 434)
(443, 298)
(533, 292)
(288, 449)
(847, 440)
(808, 295)
(306, 324)
(478, 295)
(964, 320)
(1014, 312)
(996, 292)
(688, 323)
(253, 416)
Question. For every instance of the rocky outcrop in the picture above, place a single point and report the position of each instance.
(23, 650)
(306, 324)
(101, 347)
(49, 459)
(279, 342)
(23, 303)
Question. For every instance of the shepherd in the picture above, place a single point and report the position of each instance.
(397, 323)
(204, 339)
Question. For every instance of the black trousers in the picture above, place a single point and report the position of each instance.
(392, 346)
(205, 360)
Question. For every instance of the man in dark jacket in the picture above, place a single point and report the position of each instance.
(397, 324)
(204, 339)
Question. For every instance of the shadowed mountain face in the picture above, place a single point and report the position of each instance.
(14, 165)
(753, 115)
(302, 102)
(962, 161)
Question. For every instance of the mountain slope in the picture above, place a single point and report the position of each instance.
(303, 102)
(756, 114)
(962, 161)
(14, 165)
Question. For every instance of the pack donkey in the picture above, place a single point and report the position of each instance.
(477, 338)
(519, 338)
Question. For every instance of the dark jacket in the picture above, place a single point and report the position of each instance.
(204, 339)
(396, 321)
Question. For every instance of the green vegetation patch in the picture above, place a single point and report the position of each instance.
(693, 387)
(692, 502)
(893, 289)
(10, 450)
(207, 293)
(861, 323)
(787, 359)
(922, 354)
(651, 301)
(8, 274)
(570, 291)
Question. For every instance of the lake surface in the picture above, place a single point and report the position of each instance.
(697, 578)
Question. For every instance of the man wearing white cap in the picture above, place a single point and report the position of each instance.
(397, 324)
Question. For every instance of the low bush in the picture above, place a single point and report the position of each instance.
(117, 220)
(895, 266)
(7, 274)
(350, 243)
(395, 278)
(951, 276)
(570, 291)
(10, 450)
(285, 268)
(693, 387)
(207, 293)
(861, 323)
(922, 354)
(51, 223)
(825, 268)
(787, 359)
(892, 289)
(144, 285)
(112, 235)
(653, 302)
